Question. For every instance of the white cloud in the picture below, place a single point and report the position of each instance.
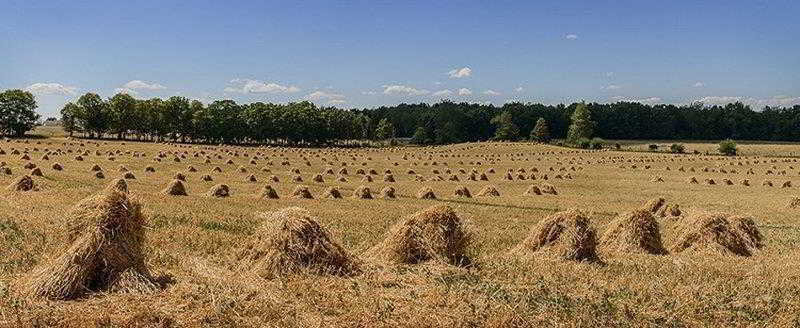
(332, 98)
(51, 89)
(611, 87)
(369, 93)
(571, 37)
(519, 89)
(699, 84)
(403, 90)
(126, 91)
(256, 86)
(464, 92)
(646, 101)
(609, 74)
(491, 93)
(137, 84)
(442, 93)
(460, 72)
(756, 103)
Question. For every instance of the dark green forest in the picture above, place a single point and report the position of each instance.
(303, 123)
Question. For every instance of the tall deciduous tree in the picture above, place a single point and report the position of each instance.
(506, 129)
(17, 112)
(384, 130)
(541, 132)
(582, 125)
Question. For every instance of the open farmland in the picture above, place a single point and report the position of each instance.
(193, 244)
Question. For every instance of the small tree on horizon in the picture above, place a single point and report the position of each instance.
(582, 126)
(384, 130)
(506, 129)
(541, 132)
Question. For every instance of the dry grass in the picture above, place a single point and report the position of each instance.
(195, 239)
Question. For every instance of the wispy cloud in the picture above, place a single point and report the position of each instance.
(571, 36)
(330, 97)
(442, 93)
(464, 92)
(519, 89)
(611, 87)
(647, 101)
(256, 86)
(403, 90)
(138, 84)
(491, 93)
(51, 89)
(777, 101)
(699, 84)
(460, 73)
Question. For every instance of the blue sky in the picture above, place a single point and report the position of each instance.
(371, 53)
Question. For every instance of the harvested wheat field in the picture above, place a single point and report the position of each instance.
(377, 237)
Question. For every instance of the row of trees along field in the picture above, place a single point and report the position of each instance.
(225, 121)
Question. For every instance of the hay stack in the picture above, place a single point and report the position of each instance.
(388, 178)
(318, 178)
(434, 234)
(297, 178)
(219, 191)
(291, 241)
(388, 193)
(547, 188)
(533, 191)
(633, 232)
(149, 169)
(488, 191)
(206, 178)
(267, 192)
(175, 188)
(693, 180)
(118, 185)
(719, 233)
(462, 191)
(362, 192)
(426, 193)
(566, 235)
(106, 236)
(24, 183)
(57, 167)
(794, 202)
(251, 178)
(96, 168)
(129, 175)
(654, 205)
(302, 192)
(36, 172)
(333, 193)
(367, 178)
(787, 184)
(767, 183)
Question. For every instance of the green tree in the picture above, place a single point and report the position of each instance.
(582, 126)
(541, 132)
(384, 130)
(69, 118)
(17, 112)
(95, 114)
(123, 114)
(506, 129)
(421, 136)
(727, 147)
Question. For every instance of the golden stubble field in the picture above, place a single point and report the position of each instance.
(192, 241)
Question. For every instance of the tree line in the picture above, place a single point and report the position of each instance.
(226, 121)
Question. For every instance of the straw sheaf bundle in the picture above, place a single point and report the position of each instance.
(566, 235)
(106, 236)
(291, 241)
(434, 234)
